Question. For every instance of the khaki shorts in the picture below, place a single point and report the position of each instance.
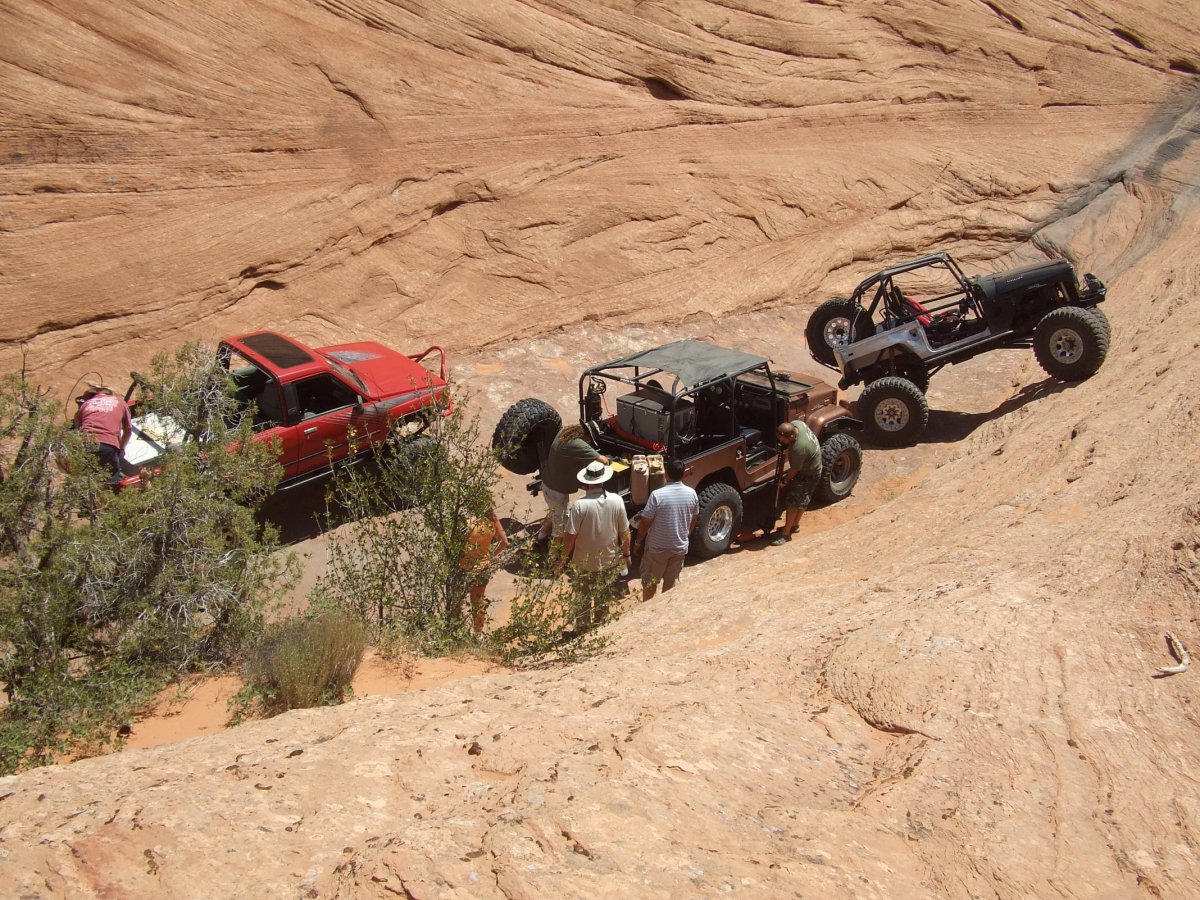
(557, 504)
(660, 565)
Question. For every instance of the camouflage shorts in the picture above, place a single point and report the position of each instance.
(799, 491)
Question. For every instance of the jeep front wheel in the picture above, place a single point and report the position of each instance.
(718, 523)
(1070, 343)
(834, 325)
(841, 463)
(523, 435)
(894, 411)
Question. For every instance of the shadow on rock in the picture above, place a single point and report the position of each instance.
(949, 426)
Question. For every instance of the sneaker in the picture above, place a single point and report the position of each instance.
(780, 540)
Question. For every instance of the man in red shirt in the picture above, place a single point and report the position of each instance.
(104, 418)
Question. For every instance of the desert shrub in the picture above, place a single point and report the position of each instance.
(103, 594)
(553, 618)
(306, 662)
(396, 566)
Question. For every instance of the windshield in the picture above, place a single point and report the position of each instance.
(346, 374)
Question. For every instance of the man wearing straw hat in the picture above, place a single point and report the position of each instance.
(596, 538)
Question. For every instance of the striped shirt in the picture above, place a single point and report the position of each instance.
(670, 511)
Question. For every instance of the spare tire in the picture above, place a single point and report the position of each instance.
(523, 435)
(836, 324)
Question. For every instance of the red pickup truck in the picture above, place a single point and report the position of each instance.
(322, 404)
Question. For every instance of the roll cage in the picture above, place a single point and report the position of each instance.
(899, 308)
(683, 374)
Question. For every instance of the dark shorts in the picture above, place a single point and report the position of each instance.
(799, 491)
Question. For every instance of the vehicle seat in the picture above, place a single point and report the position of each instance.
(268, 411)
(916, 308)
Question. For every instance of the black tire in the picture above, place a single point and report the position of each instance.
(415, 467)
(841, 464)
(1070, 343)
(894, 411)
(911, 372)
(718, 523)
(1098, 314)
(523, 435)
(836, 323)
(917, 375)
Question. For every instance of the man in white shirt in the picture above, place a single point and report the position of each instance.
(596, 538)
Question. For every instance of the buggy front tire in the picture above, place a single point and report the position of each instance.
(718, 523)
(523, 435)
(841, 464)
(894, 411)
(1071, 343)
(834, 325)
(1098, 314)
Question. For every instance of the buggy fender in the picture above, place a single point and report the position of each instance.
(909, 337)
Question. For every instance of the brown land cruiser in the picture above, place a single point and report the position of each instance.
(714, 408)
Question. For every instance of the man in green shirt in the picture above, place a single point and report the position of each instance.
(801, 478)
(569, 452)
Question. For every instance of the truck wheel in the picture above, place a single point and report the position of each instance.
(1098, 314)
(414, 467)
(841, 463)
(894, 411)
(523, 435)
(833, 325)
(1070, 343)
(719, 521)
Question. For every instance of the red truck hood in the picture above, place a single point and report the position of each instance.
(385, 372)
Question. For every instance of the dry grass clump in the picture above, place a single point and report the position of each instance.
(307, 662)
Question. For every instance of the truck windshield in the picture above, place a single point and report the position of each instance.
(347, 375)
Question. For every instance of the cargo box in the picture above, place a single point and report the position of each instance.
(646, 412)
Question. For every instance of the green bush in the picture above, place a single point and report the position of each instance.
(306, 662)
(397, 565)
(103, 594)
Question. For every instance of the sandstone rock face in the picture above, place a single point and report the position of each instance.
(948, 693)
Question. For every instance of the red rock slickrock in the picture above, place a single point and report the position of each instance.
(946, 689)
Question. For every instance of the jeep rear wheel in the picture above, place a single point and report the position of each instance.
(1070, 343)
(841, 463)
(719, 520)
(523, 435)
(836, 324)
(894, 411)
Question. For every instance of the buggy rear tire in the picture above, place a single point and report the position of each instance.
(718, 523)
(1071, 343)
(523, 435)
(894, 411)
(836, 324)
(841, 464)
